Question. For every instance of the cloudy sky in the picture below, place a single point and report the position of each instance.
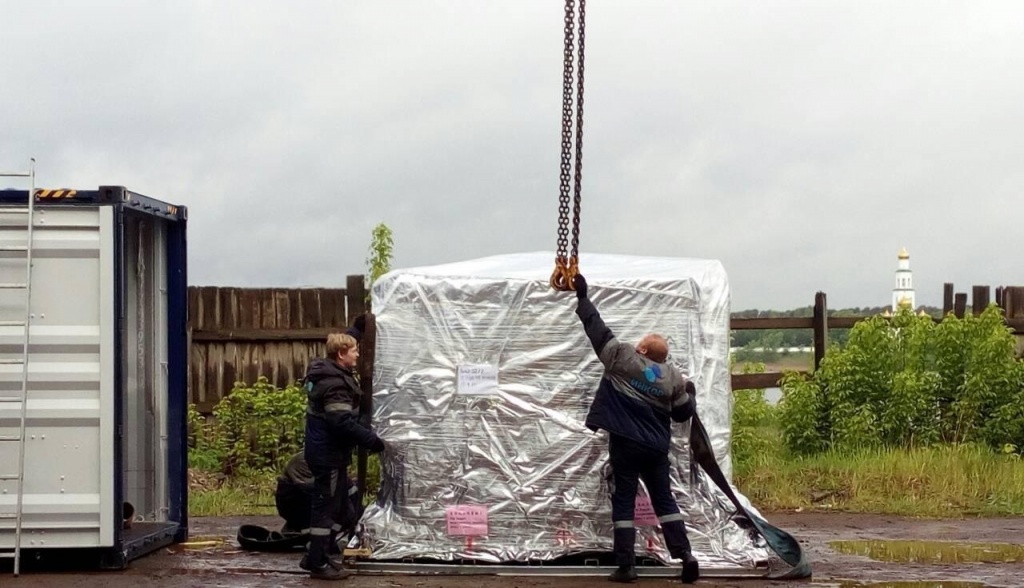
(800, 143)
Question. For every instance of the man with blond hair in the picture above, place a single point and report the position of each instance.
(333, 430)
(639, 396)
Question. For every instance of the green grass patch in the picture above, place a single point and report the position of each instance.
(941, 481)
(773, 361)
(251, 495)
(213, 494)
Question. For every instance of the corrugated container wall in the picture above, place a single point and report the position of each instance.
(106, 411)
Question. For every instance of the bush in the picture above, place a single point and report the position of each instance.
(908, 382)
(254, 431)
(803, 414)
(203, 449)
(754, 429)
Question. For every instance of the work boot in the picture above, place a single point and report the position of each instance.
(337, 564)
(332, 546)
(329, 572)
(624, 575)
(691, 569)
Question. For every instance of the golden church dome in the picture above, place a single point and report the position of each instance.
(903, 253)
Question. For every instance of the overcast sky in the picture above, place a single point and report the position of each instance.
(800, 143)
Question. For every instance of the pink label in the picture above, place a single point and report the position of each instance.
(469, 520)
(644, 515)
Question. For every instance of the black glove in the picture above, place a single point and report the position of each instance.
(580, 283)
(378, 446)
(685, 411)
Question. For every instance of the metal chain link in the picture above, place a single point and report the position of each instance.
(565, 176)
(566, 259)
(574, 252)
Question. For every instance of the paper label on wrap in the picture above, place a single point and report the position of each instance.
(477, 379)
(469, 520)
(644, 515)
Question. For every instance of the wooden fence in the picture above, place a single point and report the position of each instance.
(1011, 299)
(239, 334)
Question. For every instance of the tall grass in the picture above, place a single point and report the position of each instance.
(940, 481)
(234, 497)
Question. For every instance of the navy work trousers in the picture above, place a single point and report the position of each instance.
(328, 500)
(631, 462)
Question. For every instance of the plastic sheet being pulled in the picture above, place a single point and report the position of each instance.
(482, 383)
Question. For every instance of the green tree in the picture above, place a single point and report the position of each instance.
(378, 262)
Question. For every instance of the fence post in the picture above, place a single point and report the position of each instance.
(367, 356)
(999, 297)
(947, 298)
(979, 299)
(820, 329)
(960, 304)
(1013, 303)
(355, 295)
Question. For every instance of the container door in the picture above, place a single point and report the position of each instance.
(69, 451)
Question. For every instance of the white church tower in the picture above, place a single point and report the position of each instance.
(903, 293)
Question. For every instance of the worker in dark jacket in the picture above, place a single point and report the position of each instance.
(333, 430)
(294, 489)
(639, 396)
(292, 497)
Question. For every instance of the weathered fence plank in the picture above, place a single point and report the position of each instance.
(239, 334)
(960, 304)
(820, 328)
(979, 299)
(1013, 304)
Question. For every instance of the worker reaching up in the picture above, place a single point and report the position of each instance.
(639, 396)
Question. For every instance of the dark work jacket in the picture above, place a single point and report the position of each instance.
(333, 427)
(637, 398)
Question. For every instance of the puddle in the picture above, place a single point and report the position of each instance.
(198, 544)
(931, 552)
(203, 546)
(910, 584)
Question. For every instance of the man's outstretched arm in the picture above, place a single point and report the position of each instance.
(598, 332)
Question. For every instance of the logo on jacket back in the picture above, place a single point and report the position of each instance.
(652, 372)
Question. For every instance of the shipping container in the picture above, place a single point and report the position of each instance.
(104, 373)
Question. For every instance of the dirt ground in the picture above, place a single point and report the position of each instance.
(225, 565)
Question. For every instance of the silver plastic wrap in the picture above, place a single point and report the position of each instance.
(522, 451)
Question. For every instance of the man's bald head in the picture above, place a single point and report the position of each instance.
(654, 347)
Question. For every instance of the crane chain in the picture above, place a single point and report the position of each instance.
(566, 259)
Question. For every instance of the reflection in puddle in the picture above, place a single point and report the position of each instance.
(932, 552)
(910, 584)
